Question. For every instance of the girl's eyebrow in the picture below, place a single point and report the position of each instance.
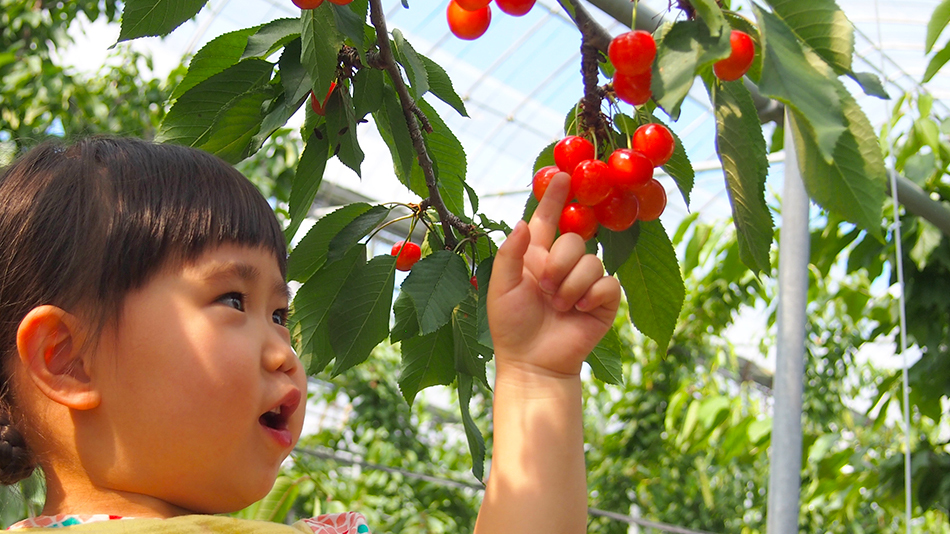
(243, 271)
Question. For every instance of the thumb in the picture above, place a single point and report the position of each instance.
(508, 267)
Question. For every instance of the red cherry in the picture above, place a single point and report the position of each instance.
(635, 89)
(578, 219)
(307, 4)
(570, 151)
(655, 142)
(618, 211)
(408, 256)
(318, 107)
(541, 180)
(632, 52)
(466, 24)
(652, 199)
(472, 5)
(515, 8)
(739, 60)
(590, 182)
(631, 169)
(474, 282)
(340, 2)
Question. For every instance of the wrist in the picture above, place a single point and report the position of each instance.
(528, 380)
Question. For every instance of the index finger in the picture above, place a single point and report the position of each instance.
(545, 219)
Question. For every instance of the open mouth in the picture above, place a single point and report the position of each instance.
(278, 417)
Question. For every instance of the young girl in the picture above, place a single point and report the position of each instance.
(146, 369)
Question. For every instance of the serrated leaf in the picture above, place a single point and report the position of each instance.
(426, 361)
(312, 305)
(307, 179)
(605, 359)
(652, 282)
(270, 37)
(357, 229)
(938, 22)
(449, 162)
(341, 127)
(235, 126)
(483, 276)
(367, 91)
(405, 324)
(823, 26)
(351, 21)
(143, 18)
(853, 185)
(684, 49)
(311, 253)
(679, 167)
(216, 56)
(359, 317)
(476, 443)
(618, 246)
(441, 86)
(412, 64)
(470, 355)
(392, 128)
(436, 284)
(741, 148)
(321, 43)
(806, 84)
(870, 84)
(296, 87)
(711, 14)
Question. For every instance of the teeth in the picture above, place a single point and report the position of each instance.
(275, 411)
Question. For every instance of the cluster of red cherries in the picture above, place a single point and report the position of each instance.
(614, 194)
(469, 19)
(632, 56)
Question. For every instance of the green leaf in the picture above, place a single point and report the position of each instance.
(652, 282)
(356, 230)
(405, 325)
(216, 56)
(801, 80)
(341, 128)
(678, 167)
(709, 11)
(142, 18)
(307, 179)
(412, 63)
(823, 26)
(440, 85)
(476, 443)
(222, 113)
(483, 276)
(689, 423)
(870, 84)
(359, 318)
(270, 37)
(321, 43)
(392, 128)
(311, 253)
(938, 22)
(277, 504)
(426, 361)
(928, 239)
(685, 48)
(605, 360)
(936, 63)
(853, 185)
(618, 246)
(741, 148)
(367, 91)
(470, 355)
(448, 158)
(436, 284)
(296, 86)
(351, 21)
(312, 305)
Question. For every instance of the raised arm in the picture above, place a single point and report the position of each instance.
(549, 304)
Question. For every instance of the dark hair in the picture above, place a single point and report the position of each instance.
(82, 225)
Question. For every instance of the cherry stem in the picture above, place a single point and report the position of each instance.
(414, 116)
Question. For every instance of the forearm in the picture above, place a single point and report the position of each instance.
(538, 479)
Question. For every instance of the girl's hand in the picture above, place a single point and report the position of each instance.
(549, 303)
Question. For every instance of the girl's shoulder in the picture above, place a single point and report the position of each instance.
(343, 523)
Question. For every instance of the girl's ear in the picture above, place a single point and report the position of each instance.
(49, 342)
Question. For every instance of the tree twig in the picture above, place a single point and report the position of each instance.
(414, 116)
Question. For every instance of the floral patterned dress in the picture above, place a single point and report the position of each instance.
(344, 523)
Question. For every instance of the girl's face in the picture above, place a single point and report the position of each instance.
(202, 395)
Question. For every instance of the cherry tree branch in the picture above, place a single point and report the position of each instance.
(414, 116)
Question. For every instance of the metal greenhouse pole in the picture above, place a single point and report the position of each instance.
(785, 461)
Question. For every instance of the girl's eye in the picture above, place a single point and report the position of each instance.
(233, 299)
(280, 316)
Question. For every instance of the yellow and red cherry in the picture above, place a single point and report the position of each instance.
(579, 219)
(652, 200)
(633, 89)
(590, 182)
(407, 254)
(655, 142)
(307, 4)
(515, 8)
(539, 184)
(320, 108)
(570, 151)
(466, 24)
(630, 169)
(632, 52)
(740, 58)
(618, 211)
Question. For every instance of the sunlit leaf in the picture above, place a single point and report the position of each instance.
(142, 18)
(823, 26)
(214, 57)
(311, 253)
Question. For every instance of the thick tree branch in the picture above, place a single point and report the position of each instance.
(414, 116)
(592, 33)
